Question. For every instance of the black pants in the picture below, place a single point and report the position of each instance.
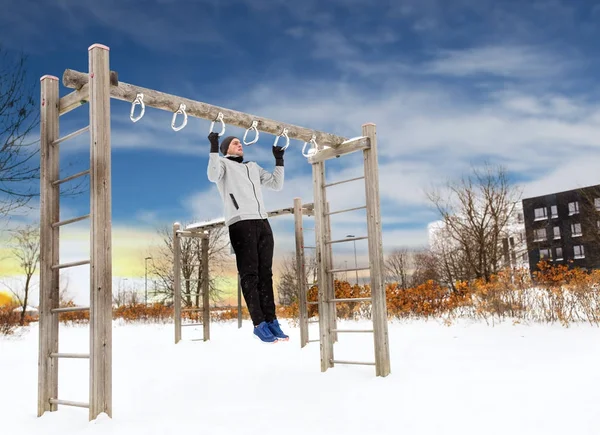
(252, 242)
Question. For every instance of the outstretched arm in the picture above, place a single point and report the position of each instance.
(216, 168)
(274, 180)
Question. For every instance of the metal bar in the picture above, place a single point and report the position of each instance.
(71, 177)
(314, 340)
(352, 330)
(70, 221)
(346, 210)
(350, 300)
(191, 324)
(348, 270)
(70, 355)
(313, 303)
(160, 100)
(73, 264)
(69, 403)
(313, 321)
(344, 181)
(71, 135)
(347, 239)
(310, 247)
(353, 362)
(69, 309)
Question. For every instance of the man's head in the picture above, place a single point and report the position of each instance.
(231, 145)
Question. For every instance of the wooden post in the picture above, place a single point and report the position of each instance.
(205, 289)
(379, 311)
(101, 249)
(320, 200)
(177, 282)
(330, 277)
(49, 246)
(301, 272)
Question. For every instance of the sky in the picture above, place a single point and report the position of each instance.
(448, 84)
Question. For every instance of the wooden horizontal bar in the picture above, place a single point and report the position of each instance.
(70, 355)
(353, 362)
(192, 234)
(347, 239)
(73, 100)
(312, 303)
(346, 210)
(170, 103)
(350, 300)
(343, 181)
(348, 270)
(71, 177)
(185, 310)
(70, 221)
(69, 309)
(69, 403)
(73, 264)
(191, 324)
(353, 330)
(71, 135)
(347, 147)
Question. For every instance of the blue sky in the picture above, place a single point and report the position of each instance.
(448, 83)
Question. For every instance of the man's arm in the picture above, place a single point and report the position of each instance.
(274, 180)
(216, 167)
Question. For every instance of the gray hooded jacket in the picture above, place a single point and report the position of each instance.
(240, 184)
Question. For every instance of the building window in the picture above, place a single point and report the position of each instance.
(545, 254)
(554, 211)
(578, 251)
(556, 233)
(541, 213)
(597, 203)
(559, 254)
(573, 208)
(520, 218)
(524, 257)
(576, 230)
(539, 235)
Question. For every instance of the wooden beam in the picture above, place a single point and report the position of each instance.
(74, 100)
(159, 100)
(101, 238)
(177, 281)
(49, 245)
(347, 147)
(376, 260)
(301, 272)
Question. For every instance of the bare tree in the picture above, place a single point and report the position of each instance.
(426, 268)
(19, 116)
(26, 249)
(475, 215)
(191, 266)
(287, 287)
(399, 266)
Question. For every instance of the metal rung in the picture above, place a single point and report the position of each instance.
(191, 324)
(69, 355)
(69, 309)
(310, 247)
(186, 310)
(71, 177)
(352, 330)
(350, 300)
(347, 239)
(70, 221)
(312, 303)
(343, 181)
(346, 210)
(353, 362)
(347, 270)
(313, 321)
(69, 403)
(314, 340)
(73, 264)
(71, 135)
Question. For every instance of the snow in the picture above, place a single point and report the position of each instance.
(468, 378)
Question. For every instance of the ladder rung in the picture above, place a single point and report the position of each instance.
(187, 310)
(352, 330)
(69, 309)
(191, 324)
(350, 300)
(313, 321)
(354, 362)
(73, 264)
(71, 177)
(344, 181)
(69, 355)
(312, 303)
(69, 403)
(347, 239)
(71, 135)
(70, 221)
(314, 340)
(348, 270)
(310, 247)
(345, 210)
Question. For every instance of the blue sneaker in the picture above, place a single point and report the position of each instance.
(263, 332)
(276, 330)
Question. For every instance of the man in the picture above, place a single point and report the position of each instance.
(239, 185)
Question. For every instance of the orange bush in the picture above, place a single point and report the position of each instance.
(9, 319)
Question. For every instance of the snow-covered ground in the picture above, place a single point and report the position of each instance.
(468, 378)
